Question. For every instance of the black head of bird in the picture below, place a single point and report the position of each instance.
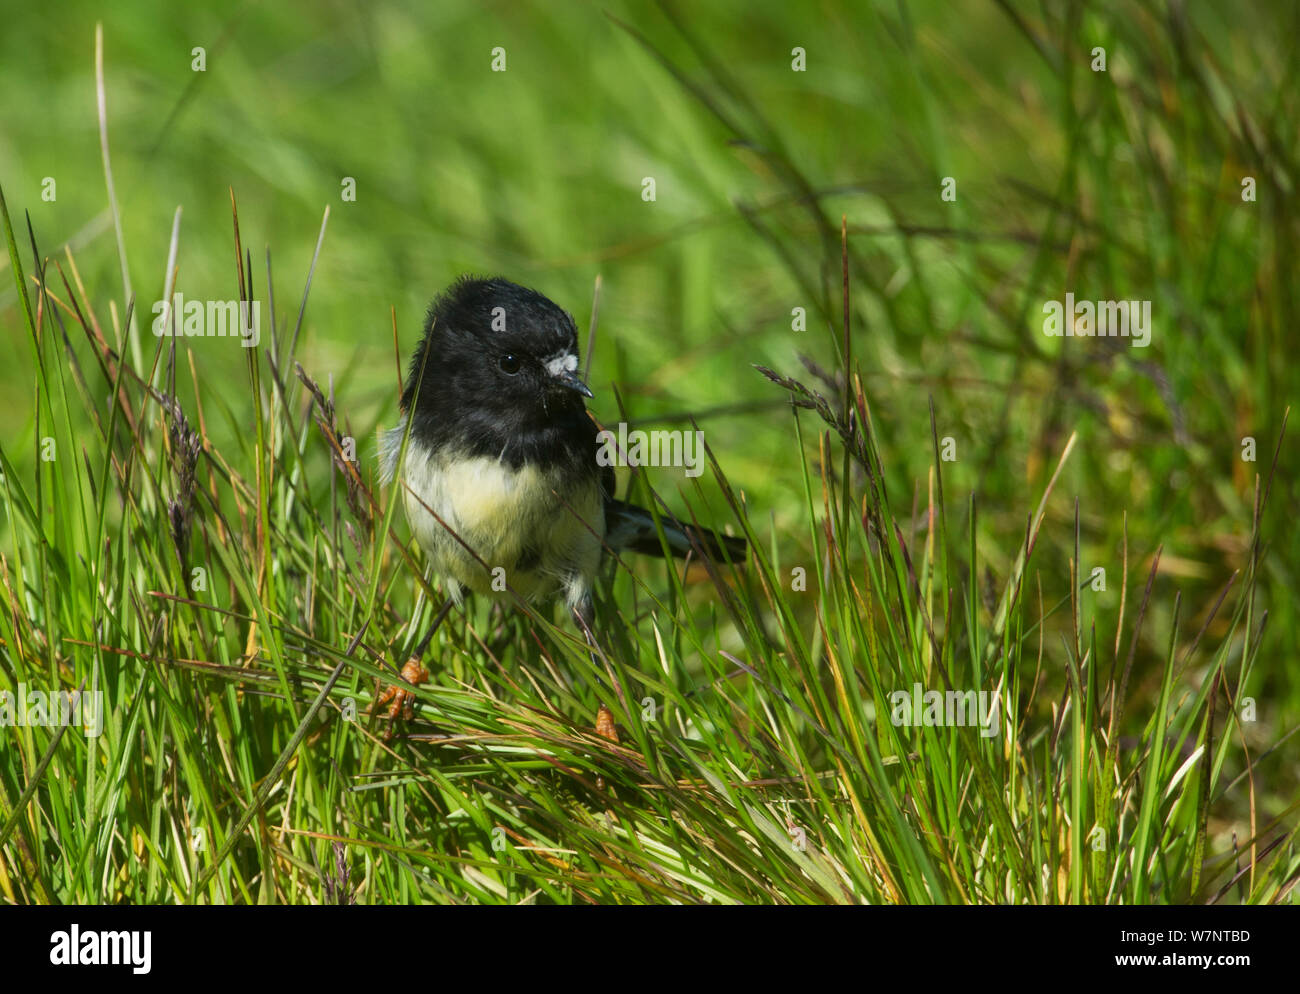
(497, 368)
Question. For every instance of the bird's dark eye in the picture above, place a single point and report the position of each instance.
(509, 364)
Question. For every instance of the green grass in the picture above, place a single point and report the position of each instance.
(1146, 751)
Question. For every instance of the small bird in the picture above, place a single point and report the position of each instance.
(500, 478)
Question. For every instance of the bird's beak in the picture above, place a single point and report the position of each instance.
(564, 374)
(569, 381)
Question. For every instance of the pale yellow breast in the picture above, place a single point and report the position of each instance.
(514, 520)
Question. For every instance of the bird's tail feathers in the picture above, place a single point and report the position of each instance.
(630, 527)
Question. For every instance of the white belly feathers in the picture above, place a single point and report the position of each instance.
(525, 530)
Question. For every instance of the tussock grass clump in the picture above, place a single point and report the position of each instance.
(237, 611)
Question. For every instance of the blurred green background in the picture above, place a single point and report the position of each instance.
(1117, 184)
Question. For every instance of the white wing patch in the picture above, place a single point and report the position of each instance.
(390, 447)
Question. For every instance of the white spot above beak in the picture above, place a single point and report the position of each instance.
(561, 364)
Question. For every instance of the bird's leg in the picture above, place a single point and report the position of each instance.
(585, 616)
(433, 627)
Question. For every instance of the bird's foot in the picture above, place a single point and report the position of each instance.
(605, 724)
(606, 730)
(400, 702)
